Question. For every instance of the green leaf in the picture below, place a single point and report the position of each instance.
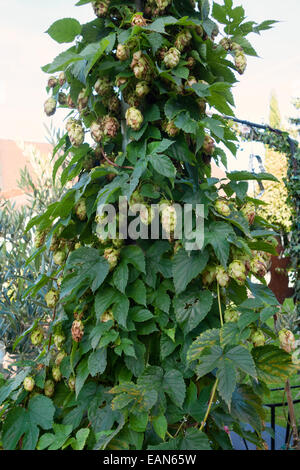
(160, 425)
(21, 422)
(97, 362)
(64, 30)
(62, 61)
(57, 440)
(135, 256)
(247, 407)
(194, 440)
(227, 380)
(242, 359)
(217, 235)
(120, 309)
(209, 360)
(205, 340)
(137, 292)
(11, 385)
(273, 365)
(163, 165)
(120, 277)
(82, 373)
(187, 266)
(191, 310)
(87, 265)
(139, 422)
(174, 386)
(248, 176)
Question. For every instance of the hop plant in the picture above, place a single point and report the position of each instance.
(209, 275)
(114, 105)
(103, 86)
(222, 207)
(28, 384)
(77, 330)
(112, 256)
(40, 238)
(49, 388)
(37, 336)
(287, 340)
(142, 89)
(222, 276)
(62, 78)
(60, 356)
(172, 58)
(72, 383)
(258, 338)
(168, 217)
(208, 145)
(170, 128)
(83, 100)
(59, 340)
(258, 266)
(96, 131)
(50, 106)
(123, 52)
(56, 374)
(52, 82)
(249, 212)
(226, 44)
(62, 98)
(231, 315)
(183, 39)
(134, 118)
(59, 257)
(138, 20)
(110, 126)
(101, 7)
(237, 271)
(240, 62)
(80, 209)
(51, 298)
(75, 132)
(140, 66)
(107, 316)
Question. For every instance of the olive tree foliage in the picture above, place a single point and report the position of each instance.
(151, 346)
(19, 315)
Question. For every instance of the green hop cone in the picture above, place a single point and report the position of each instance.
(172, 58)
(134, 118)
(112, 256)
(80, 209)
(240, 62)
(56, 374)
(226, 44)
(51, 298)
(50, 106)
(183, 39)
(52, 82)
(96, 131)
(101, 7)
(258, 338)
(114, 105)
(258, 266)
(222, 276)
(62, 98)
(40, 238)
(59, 340)
(147, 214)
(71, 383)
(138, 20)
(37, 336)
(170, 128)
(136, 198)
(168, 218)
(103, 86)
(209, 275)
(123, 52)
(237, 271)
(231, 315)
(140, 66)
(236, 48)
(77, 330)
(28, 384)
(75, 132)
(49, 388)
(249, 212)
(82, 101)
(142, 89)
(59, 257)
(222, 207)
(60, 356)
(107, 316)
(287, 340)
(208, 145)
(62, 78)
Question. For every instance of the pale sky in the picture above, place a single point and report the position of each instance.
(25, 48)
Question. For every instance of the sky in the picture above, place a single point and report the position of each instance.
(25, 48)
